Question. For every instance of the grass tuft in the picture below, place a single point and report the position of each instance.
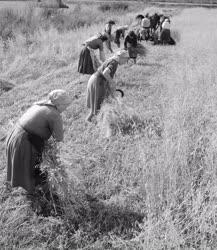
(126, 121)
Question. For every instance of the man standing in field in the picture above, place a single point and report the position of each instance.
(108, 30)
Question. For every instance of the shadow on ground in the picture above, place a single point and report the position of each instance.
(95, 215)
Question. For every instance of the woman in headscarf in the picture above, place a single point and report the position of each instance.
(165, 36)
(145, 28)
(101, 84)
(25, 143)
(133, 47)
(137, 27)
(88, 61)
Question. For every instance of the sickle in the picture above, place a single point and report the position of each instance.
(121, 91)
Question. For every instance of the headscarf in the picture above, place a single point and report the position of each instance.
(140, 16)
(59, 97)
(55, 98)
(121, 54)
(103, 36)
(112, 22)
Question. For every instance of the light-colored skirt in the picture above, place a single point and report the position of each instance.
(97, 92)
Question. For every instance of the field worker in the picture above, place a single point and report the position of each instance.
(25, 143)
(137, 26)
(145, 22)
(101, 84)
(162, 19)
(88, 61)
(118, 34)
(108, 27)
(145, 26)
(133, 47)
(139, 19)
(108, 30)
(165, 37)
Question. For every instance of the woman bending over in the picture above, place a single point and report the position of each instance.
(101, 84)
(25, 143)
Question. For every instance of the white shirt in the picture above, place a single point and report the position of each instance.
(145, 23)
(166, 25)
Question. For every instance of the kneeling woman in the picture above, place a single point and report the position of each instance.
(101, 84)
(165, 36)
(88, 61)
(26, 141)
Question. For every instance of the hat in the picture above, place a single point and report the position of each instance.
(140, 16)
(59, 97)
(112, 22)
(132, 33)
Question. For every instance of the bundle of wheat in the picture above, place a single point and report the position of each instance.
(60, 195)
(116, 117)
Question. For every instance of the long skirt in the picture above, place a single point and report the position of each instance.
(22, 157)
(165, 36)
(135, 51)
(88, 62)
(97, 92)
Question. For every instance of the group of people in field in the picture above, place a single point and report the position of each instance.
(155, 28)
(102, 71)
(25, 143)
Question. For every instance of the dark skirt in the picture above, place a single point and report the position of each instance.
(165, 37)
(97, 92)
(85, 64)
(22, 160)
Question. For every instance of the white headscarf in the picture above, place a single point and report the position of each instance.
(55, 98)
(121, 54)
(59, 97)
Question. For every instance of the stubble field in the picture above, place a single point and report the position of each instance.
(153, 184)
